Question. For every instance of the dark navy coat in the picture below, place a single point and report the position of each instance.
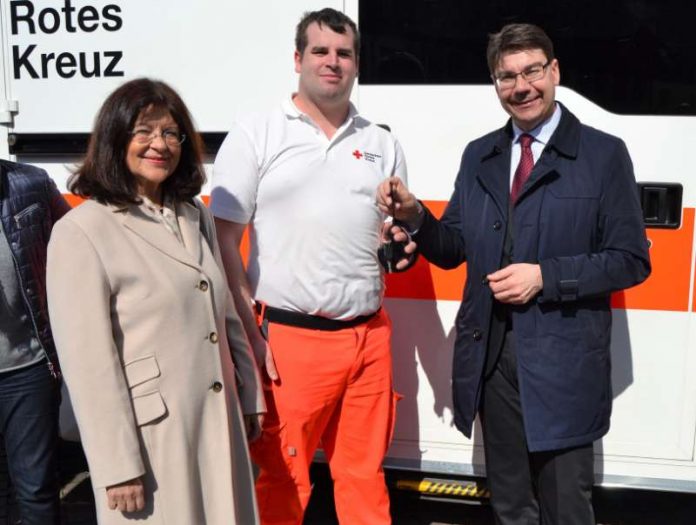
(30, 204)
(579, 218)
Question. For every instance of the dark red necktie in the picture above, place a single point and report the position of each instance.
(524, 168)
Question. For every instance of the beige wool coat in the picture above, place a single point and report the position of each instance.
(147, 333)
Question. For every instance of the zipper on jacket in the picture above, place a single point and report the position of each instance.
(51, 365)
(25, 211)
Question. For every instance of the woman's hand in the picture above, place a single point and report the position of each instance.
(128, 496)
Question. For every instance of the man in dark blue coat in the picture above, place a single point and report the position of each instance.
(545, 212)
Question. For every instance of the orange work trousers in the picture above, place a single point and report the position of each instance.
(334, 390)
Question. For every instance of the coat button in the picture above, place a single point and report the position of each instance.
(203, 286)
(484, 280)
(217, 386)
(497, 225)
(477, 335)
(213, 337)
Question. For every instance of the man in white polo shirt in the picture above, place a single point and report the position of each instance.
(304, 177)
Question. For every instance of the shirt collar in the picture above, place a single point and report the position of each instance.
(543, 132)
(153, 209)
(291, 111)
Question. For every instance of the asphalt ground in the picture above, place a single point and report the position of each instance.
(612, 506)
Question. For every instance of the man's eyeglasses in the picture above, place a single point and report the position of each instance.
(146, 136)
(507, 80)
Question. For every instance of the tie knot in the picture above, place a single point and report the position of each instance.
(526, 140)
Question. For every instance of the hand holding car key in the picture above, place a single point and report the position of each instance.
(392, 251)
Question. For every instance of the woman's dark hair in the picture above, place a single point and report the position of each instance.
(104, 174)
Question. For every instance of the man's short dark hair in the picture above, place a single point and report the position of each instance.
(104, 174)
(517, 37)
(336, 20)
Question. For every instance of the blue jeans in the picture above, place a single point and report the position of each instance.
(29, 402)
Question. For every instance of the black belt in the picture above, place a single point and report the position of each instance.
(313, 322)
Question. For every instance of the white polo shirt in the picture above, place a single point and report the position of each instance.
(311, 203)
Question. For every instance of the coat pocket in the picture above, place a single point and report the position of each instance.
(140, 370)
(32, 214)
(148, 407)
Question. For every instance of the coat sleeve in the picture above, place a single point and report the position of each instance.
(622, 259)
(249, 388)
(441, 241)
(79, 301)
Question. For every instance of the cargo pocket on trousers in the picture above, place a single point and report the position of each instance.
(396, 397)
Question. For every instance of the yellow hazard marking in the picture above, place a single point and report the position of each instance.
(443, 488)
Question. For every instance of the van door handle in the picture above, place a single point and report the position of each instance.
(661, 203)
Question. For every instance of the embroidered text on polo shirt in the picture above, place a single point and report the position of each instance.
(370, 157)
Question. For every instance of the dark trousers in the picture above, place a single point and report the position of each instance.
(529, 488)
(29, 402)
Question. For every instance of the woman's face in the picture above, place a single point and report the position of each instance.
(153, 152)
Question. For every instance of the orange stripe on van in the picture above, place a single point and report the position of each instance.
(667, 288)
(73, 200)
(425, 280)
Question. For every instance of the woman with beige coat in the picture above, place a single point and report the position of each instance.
(146, 332)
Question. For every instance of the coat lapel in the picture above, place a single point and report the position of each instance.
(547, 164)
(494, 171)
(189, 218)
(563, 143)
(157, 236)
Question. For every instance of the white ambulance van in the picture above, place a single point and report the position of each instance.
(626, 68)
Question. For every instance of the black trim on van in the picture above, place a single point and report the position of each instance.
(75, 144)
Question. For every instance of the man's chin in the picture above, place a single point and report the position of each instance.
(525, 122)
(526, 119)
(334, 96)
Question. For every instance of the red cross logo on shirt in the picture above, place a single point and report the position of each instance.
(357, 154)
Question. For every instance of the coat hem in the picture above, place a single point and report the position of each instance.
(569, 442)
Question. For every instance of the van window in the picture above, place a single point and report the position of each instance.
(630, 56)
